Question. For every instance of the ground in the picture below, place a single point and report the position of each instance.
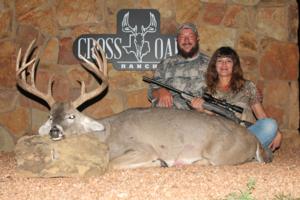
(276, 180)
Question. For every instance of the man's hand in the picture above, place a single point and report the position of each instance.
(164, 97)
(197, 104)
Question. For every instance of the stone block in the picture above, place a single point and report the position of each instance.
(275, 64)
(110, 13)
(247, 2)
(248, 63)
(276, 93)
(233, 15)
(213, 1)
(190, 13)
(5, 23)
(16, 122)
(291, 139)
(271, 21)
(7, 64)
(8, 100)
(71, 13)
(75, 156)
(247, 43)
(213, 37)
(138, 99)
(293, 22)
(38, 117)
(163, 6)
(113, 102)
(98, 28)
(250, 67)
(61, 89)
(7, 143)
(50, 53)
(66, 56)
(214, 13)
(23, 8)
(7, 72)
(42, 19)
(79, 74)
(27, 33)
(168, 26)
(276, 113)
(126, 80)
(292, 111)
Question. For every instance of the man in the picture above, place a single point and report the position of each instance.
(184, 71)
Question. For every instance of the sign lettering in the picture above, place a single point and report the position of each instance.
(138, 44)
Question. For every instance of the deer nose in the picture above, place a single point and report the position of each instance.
(55, 133)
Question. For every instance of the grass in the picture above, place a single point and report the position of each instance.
(247, 193)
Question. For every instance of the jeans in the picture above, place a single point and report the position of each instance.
(265, 130)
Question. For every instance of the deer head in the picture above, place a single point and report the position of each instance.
(63, 115)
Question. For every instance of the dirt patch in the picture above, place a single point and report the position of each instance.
(281, 177)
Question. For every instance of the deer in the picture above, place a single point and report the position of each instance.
(142, 137)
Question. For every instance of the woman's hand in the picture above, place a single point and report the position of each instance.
(197, 104)
(276, 141)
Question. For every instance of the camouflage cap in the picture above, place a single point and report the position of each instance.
(187, 26)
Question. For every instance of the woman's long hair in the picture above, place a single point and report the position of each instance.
(237, 80)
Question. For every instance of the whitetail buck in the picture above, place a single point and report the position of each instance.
(144, 137)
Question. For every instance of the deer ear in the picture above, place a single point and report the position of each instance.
(94, 126)
(45, 128)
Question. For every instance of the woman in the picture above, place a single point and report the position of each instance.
(224, 79)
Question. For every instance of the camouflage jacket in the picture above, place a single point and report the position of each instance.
(245, 98)
(183, 74)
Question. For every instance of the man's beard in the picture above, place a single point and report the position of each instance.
(189, 54)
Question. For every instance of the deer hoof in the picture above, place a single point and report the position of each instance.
(163, 163)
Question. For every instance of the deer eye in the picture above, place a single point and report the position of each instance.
(71, 117)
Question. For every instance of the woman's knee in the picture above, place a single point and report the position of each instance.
(270, 126)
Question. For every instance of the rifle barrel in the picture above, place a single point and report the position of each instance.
(149, 80)
(205, 96)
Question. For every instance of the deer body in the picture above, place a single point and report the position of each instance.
(144, 137)
(165, 137)
(148, 137)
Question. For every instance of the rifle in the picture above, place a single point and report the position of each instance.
(217, 106)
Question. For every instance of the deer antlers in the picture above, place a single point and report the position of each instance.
(99, 69)
(23, 65)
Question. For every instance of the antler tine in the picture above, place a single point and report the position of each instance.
(102, 64)
(99, 69)
(22, 65)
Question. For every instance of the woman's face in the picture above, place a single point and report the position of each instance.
(224, 66)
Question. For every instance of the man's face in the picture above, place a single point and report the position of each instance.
(187, 43)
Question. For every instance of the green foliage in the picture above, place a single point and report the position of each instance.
(247, 194)
(284, 197)
(243, 195)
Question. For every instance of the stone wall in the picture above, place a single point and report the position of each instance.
(264, 32)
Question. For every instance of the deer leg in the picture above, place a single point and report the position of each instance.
(204, 162)
(143, 156)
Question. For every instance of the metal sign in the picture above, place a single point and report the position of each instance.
(138, 44)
